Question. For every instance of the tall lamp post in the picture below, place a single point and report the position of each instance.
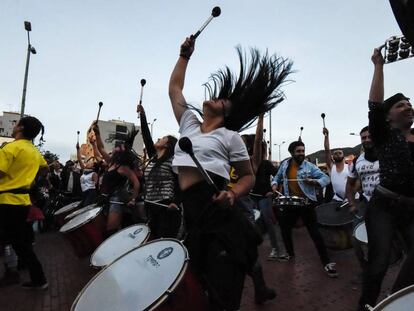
(152, 124)
(280, 145)
(30, 50)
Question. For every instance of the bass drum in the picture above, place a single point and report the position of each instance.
(154, 276)
(403, 300)
(360, 234)
(336, 223)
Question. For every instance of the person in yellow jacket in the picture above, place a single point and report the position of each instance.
(20, 161)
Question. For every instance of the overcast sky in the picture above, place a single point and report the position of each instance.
(98, 50)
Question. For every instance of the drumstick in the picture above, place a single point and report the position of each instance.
(300, 134)
(158, 204)
(323, 119)
(187, 146)
(300, 179)
(78, 136)
(99, 111)
(143, 82)
(214, 13)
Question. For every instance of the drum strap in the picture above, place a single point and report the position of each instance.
(395, 196)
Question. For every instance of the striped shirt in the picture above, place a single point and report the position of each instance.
(160, 181)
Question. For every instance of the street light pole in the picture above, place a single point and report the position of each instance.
(280, 153)
(152, 124)
(30, 50)
(270, 135)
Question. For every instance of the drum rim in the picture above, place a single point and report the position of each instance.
(81, 224)
(164, 295)
(69, 216)
(61, 211)
(393, 297)
(331, 225)
(143, 242)
(355, 229)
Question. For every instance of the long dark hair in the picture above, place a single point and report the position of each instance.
(169, 150)
(254, 91)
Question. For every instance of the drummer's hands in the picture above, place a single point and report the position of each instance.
(377, 58)
(352, 208)
(269, 194)
(95, 128)
(325, 131)
(172, 207)
(275, 192)
(77, 146)
(140, 109)
(131, 202)
(224, 198)
(310, 181)
(187, 48)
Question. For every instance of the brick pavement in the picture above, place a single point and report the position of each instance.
(301, 285)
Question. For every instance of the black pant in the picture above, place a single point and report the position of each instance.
(384, 217)
(222, 245)
(13, 221)
(287, 219)
(163, 222)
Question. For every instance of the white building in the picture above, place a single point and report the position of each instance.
(7, 122)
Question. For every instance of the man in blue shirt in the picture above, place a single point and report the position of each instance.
(299, 179)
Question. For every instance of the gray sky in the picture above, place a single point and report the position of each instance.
(91, 51)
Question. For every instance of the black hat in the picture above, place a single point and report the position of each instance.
(391, 101)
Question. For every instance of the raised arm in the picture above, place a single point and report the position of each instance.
(79, 156)
(327, 147)
(100, 144)
(257, 146)
(376, 93)
(145, 131)
(176, 85)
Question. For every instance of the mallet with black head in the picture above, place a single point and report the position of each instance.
(187, 146)
(214, 13)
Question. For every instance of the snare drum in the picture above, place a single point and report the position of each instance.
(336, 224)
(154, 276)
(80, 211)
(61, 213)
(86, 231)
(360, 234)
(119, 244)
(289, 201)
(403, 300)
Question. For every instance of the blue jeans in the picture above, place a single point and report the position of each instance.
(267, 218)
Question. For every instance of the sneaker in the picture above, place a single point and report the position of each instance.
(35, 286)
(264, 295)
(273, 255)
(284, 257)
(330, 270)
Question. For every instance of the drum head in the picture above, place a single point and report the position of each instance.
(67, 208)
(136, 281)
(332, 214)
(119, 244)
(402, 300)
(79, 220)
(360, 233)
(80, 211)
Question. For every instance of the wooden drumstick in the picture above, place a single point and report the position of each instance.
(323, 119)
(99, 111)
(78, 137)
(300, 133)
(143, 82)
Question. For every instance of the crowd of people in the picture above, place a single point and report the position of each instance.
(217, 221)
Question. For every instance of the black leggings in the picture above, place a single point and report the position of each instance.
(222, 245)
(13, 221)
(383, 219)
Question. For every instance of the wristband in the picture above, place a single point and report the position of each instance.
(184, 56)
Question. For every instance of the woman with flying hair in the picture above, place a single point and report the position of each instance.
(221, 242)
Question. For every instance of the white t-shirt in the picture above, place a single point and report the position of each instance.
(368, 172)
(338, 181)
(214, 150)
(86, 181)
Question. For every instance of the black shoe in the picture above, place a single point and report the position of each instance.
(264, 295)
(35, 286)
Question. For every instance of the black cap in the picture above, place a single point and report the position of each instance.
(391, 101)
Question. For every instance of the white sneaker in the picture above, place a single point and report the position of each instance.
(273, 255)
(330, 270)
